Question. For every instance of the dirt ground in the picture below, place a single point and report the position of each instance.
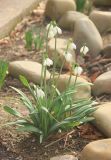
(23, 146)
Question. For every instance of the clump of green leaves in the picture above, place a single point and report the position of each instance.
(33, 41)
(50, 110)
(3, 72)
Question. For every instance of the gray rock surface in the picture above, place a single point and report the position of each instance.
(86, 33)
(97, 150)
(102, 20)
(102, 84)
(67, 21)
(103, 118)
(31, 70)
(56, 8)
(83, 91)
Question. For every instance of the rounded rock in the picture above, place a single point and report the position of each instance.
(56, 8)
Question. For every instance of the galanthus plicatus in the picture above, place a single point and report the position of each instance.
(40, 93)
(72, 46)
(68, 56)
(78, 70)
(48, 62)
(53, 30)
(84, 50)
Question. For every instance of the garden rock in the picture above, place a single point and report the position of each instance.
(67, 21)
(102, 2)
(83, 91)
(106, 51)
(97, 150)
(56, 8)
(103, 118)
(85, 32)
(31, 70)
(102, 84)
(58, 56)
(64, 157)
(102, 20)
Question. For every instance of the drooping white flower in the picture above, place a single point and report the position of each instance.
(40, 93)
(57, 30)
(84, 50)
(78, 70)
(48, 62)
(72, 46)
(51, 34)
(49, 27)
(68, 57)
(53, 30)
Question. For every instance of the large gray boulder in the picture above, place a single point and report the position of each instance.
(31, 70)
(97, 150)
(102, 20)
(67, 21)
(56, 8)
(86, 33)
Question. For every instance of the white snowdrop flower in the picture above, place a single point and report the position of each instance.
(49, 27)
(51, 34)
(84, 50)
(68, 57)
(48, 62)
(57, 30)
(40, 93)
(72, 46)
(78, 70)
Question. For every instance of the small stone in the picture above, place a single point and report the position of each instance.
(97, 150)
(102, 84)
(64, 157)
(103, 118)
(31, 70)
(56, 8)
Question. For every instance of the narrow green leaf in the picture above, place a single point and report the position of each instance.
(12, 111)
(24, 81)
(29, 128)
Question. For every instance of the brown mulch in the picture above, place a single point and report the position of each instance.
(17, 146)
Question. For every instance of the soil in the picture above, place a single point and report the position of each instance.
(24, 146)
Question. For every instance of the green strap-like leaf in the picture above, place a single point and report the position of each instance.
(12, 111)
(29, 128)
(24, 81)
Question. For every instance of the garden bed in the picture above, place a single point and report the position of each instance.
(17, 146)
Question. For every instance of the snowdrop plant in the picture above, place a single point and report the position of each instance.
(51, 111)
